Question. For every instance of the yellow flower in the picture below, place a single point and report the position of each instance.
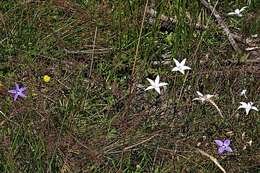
(46, 78)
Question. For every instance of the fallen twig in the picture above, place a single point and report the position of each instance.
(212, 158)
(131, 147)
(92, 55)
(139, 143)
(8, 119)
(97, 51)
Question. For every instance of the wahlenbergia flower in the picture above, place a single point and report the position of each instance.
(243, 93)
(202, 97)
(247, 106)
(207, 98)
(181, 67)
(18, 91)
(223, 146)
(156, 84)
(46, 78)
(237, 12)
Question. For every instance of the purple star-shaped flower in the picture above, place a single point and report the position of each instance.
(17, 91)
(223, 146)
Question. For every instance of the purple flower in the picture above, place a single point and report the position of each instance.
(223, 146)
(17, 91)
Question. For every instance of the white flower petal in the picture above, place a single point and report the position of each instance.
(243, 93)
(177, 63)
(242, 9)
(157, 80)
(254, 108)
(240, 107)
(208, 96)
(175, 69)
(243, 104)
(247, 110)
(182, 71)
(231, 13)
(150, 87)
(151, 81)
(185, 68)
(200, 99)
(162, 84)
(157, 89)
(199, 93)
(183, 62)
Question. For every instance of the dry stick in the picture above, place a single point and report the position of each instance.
(132, 147)
(117, 152)
(223, 25)
(112, 146)
(212, 158)
(93, 52)
(139, 143)
(63, 84)
(131, 85)
(8, 119)
(81, 144)
(97, 51)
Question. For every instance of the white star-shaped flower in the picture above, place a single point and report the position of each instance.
(181, 67)
(247, 106)
(237, 12)
(208, 99)
(156, 84)
(202, 97)
(243, 93)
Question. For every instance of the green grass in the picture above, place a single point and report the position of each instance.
(77, 123)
